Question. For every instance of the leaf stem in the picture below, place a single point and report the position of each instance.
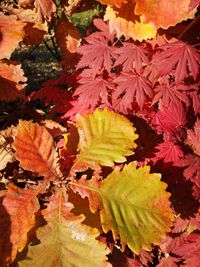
(50, 50)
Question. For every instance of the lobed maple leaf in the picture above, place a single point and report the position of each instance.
(170, 120)
(168, 261)
(97, 53)
(192, 169)
(132, 57)
(132, 197)
(163, 14)
(101, 140)
(35, 150)
(93, 91)
(131, 86)
(167, 92)
(193, 138)
(123, 21)
(195, 97)
(168, 151)
(190, 250)
(65, 240)
(11, 32)
(16, 221)
(178, 56)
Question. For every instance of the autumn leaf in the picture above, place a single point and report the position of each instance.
(97, 53)
(133, 204)
(168, 151)
(105, 138)
(168, 92)
(65, 240)
(12, 81)
(6, 154)
(122, 21)
(11, 32)
(193, 138)
(164, 14)
(132, 87)
(35, 150)
(20, 206)
(132, 57)
(44, 9)
(93, 90)
(178, 56)
(117, 3)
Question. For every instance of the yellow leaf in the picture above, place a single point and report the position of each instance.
(105, 137)
(133, 204)
(123, 21)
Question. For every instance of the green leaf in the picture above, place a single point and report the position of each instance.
(133, 204)
(65, 241)
(105, 138)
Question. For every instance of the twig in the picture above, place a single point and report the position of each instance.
(55, 47)
(50, 50)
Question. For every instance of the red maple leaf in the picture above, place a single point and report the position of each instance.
(170, 120)
(193, 138)
(131, 86)
(192, 172)
(168, 151)
(54, 93)
(167, 92)
(93, 91)
(195, 97)
(190, 250)
(97, 53)
(131, 57)
(178, 56)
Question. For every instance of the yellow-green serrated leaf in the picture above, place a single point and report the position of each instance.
(133, 204)
(65, 241)
(105, 137)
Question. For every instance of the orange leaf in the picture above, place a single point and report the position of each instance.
(124, 22)
(11, 33)
(11, 79)
(17, 219)
(35, 150)
(164, 13)
(116, 3)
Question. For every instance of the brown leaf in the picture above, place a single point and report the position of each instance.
(35, 150)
